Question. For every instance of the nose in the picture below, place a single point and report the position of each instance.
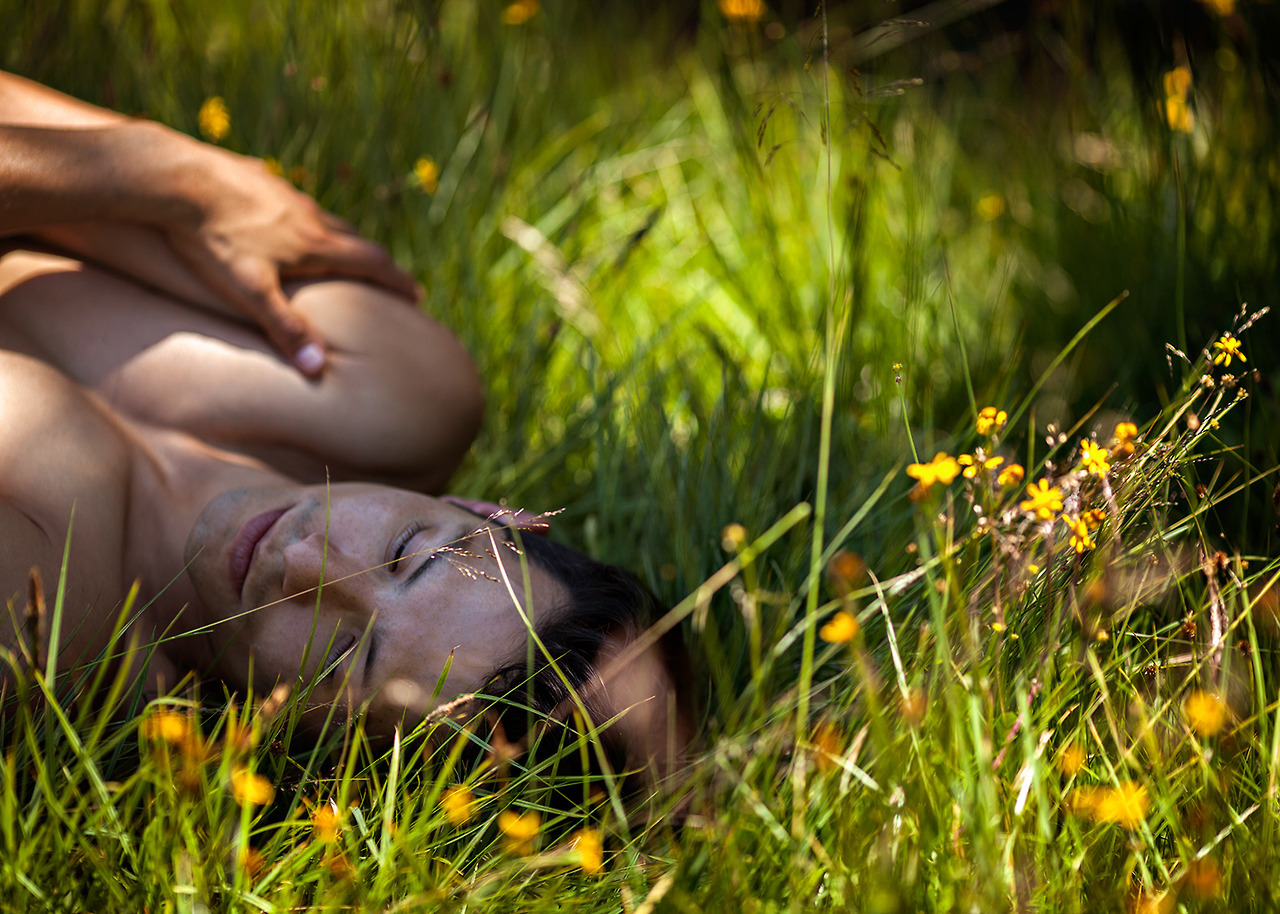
(314, 562)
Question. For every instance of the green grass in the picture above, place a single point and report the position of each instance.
(719, 277)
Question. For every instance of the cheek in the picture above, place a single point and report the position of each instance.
(274, 646)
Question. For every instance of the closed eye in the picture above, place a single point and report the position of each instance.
(395, 553)
(432, 555)
(340, 652)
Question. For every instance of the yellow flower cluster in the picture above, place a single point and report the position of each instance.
(427, 174)
(991, 420)
(747, 12)
(1205, 712)
(249, 789)
(990, 207)
(459, 805)
(1177, 89)
(1228, 348)
(590, 848)
(1012, 475)
(1043, 500)
(1125, 434)
(520, 829)
(840, 629)
(978, 461)
(520, 12)
(326, 823)
(1093, 458)
(214, 119)
(942, 468)
(1125, 805)
(1071, 760)
(1081, 541)
(732, 537)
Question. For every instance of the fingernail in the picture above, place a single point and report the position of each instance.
(309, 359)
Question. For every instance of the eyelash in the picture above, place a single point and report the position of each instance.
(340, 650)
(401, 542)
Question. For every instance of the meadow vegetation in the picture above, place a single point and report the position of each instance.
(925, 373)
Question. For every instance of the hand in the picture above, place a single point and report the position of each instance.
(247, 230)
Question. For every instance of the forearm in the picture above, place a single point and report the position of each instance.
(25, 103)
(127, 172)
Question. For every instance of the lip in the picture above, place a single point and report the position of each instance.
(244, 547)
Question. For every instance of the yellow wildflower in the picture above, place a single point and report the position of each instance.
(326, 822)
(1071, 760)
(1125, 433)
(177, 730)
(1178, 114)
(520, 830)
(990, 207)
(1093, 458)
(1081, 541)
(273, 165)
(1011, 475)
(214, 119)
(590, 850)
(991, 420)
(841, 629)
(1228, 348)
(941, 469)
(167, 726)
(1223, 8)
(744, 11)
(1206, 713)
(251, 789)
(1177, 82)
(1125, 805)
(520, 12)
(459, 805)
(732, 537)
(1042, 500)
(427, 174)
(977, 462)
(1094, 518)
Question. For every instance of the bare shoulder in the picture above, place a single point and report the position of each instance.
(61, 457)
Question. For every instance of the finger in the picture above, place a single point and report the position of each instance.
(290, 333)
(337, 223)
(357, 258)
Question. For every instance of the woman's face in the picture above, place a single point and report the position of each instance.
(356, 585)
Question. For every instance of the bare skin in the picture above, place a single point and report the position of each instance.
(147, 418)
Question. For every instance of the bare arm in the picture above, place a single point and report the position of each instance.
(222, 227)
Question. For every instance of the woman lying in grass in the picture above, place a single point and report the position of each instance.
(175, 416)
